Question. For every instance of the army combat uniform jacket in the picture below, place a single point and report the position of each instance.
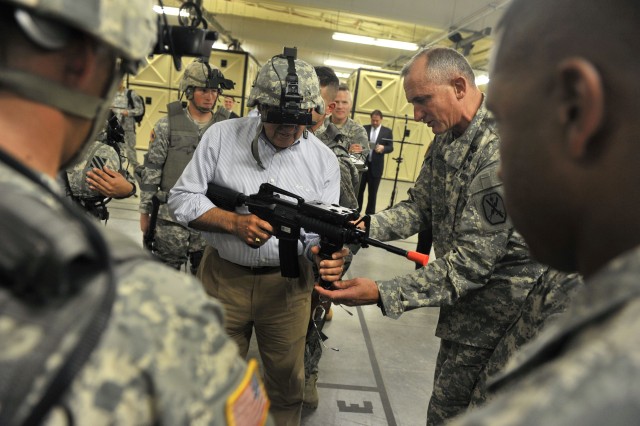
(584, 369)
(163, 357)
(482, 271)
(353, 133)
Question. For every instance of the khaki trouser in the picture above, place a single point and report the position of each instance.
(278, 309)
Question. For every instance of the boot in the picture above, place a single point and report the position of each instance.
(310, 399)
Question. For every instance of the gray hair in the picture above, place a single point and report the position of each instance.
(443, 65)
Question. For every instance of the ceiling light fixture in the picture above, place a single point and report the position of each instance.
(348, 65)
(342, 74)
(380, 42)
(172, 11)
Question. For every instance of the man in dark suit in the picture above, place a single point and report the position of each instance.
(381, 141)
(229, 102)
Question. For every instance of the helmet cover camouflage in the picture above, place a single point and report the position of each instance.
(127, 26)
(196, 74)
(270, 83)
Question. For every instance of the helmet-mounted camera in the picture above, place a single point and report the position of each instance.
(290, 110)
(200, 74)
(185, 39)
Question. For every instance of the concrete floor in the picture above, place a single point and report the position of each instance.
(382, 371)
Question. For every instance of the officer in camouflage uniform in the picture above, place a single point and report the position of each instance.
(567, 106)
(157, 353)
(126, 114)
(483, 272)
(173, 141)
(354, 136)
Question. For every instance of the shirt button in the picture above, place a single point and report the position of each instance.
(272, 180)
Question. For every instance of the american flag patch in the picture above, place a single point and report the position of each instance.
(248, 405)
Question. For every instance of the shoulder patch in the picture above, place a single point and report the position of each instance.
(493, 208)
(152, 137)
(248, 403)
(487, 194)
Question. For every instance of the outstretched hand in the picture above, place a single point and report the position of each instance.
(355, 292)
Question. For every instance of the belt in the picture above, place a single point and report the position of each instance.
(259, 270)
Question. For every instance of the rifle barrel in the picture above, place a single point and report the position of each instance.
(415, 256)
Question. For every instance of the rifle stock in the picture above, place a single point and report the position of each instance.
(333, 223)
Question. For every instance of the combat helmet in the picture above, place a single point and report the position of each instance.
(200, 74)
(288, 83)
(128, 27)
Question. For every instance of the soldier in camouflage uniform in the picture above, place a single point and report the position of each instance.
(100, 174)
(567, 106)
(173, 140)
(354, 136)
(349, 183)
(126, 114)
(482, 272)
(333, 137)
(158, 353)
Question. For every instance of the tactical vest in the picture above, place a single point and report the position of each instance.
(183, 140)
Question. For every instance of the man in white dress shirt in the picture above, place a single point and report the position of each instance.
(241, 264)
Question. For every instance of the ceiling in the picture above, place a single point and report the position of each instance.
(264, 27)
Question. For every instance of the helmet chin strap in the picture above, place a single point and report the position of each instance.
(72, 102)
(201, 109)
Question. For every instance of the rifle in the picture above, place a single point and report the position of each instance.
(150, 236)
(332, 222)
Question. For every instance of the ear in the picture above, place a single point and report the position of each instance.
(460, 87)
(328, 108)
(80, 62)
(582, 103)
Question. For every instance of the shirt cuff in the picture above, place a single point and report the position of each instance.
(390, 302)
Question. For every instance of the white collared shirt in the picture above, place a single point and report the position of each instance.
(307, 168)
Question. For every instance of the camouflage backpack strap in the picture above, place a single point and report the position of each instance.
(56, 293)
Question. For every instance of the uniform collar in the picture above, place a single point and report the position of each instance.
(457, 149)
